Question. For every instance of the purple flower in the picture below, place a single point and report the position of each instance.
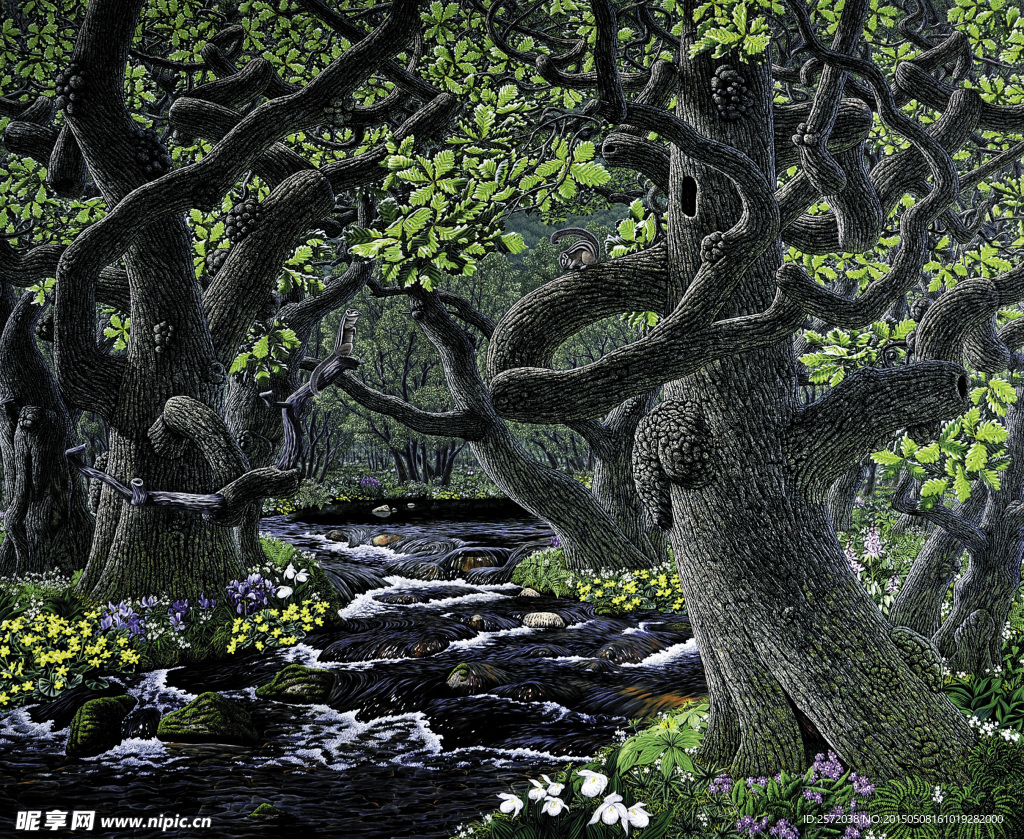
(205, 602)
(851, 559)
(179, 606)
(862, 785)
(851, 832)
(751, 825)
(251, 594)
(556, 542)
(177, 622)
(812, 795)
(784, 830)
(722, 784)
(148, 602)
(873, 543)
(830, 768)
(757, 782)
(122, 615)
(893, 585)
(370, 483)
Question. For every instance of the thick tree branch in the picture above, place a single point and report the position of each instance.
(533, 329)
(241, 286)
(226, 507)
(609, 85)
(973, 538)
(891, 179)
(916, 83)
(191, 420)
(914, 223)
(823, 170)
(961, 322)
(852, 125)
(669, 351)
(648, 158)
(829, 436)
(464, 424)
(391, 70)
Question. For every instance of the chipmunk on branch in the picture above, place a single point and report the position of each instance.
(581, 254)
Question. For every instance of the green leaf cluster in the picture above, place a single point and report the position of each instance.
(119, 329)
(968, 449)
(841, 351)
(983, 261)
(269, 350)
(635, 232)
(733, 26)
(457, 199)
(665, 745)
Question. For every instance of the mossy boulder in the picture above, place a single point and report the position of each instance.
(267, 812)
(477, 677)
(209, 718)
(96, 728)
(299, 685)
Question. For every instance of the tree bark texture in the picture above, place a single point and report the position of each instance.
(48, 522)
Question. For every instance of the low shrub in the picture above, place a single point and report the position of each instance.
(544, 571)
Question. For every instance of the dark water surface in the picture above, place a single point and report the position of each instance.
(397, 753)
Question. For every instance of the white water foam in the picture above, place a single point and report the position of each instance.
(667, 655)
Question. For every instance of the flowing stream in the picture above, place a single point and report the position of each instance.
(397, 752)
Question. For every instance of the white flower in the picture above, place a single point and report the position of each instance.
(637, 816)
(299, 576)
(553, 806)
(594, 784)
(611, 811)
(510, 803)
(548, 788)
(284, 591)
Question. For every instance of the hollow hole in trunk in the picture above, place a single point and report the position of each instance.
(961, 387)
(689, 196)
(814, 742)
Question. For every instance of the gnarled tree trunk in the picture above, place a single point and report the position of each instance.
(47, 519)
